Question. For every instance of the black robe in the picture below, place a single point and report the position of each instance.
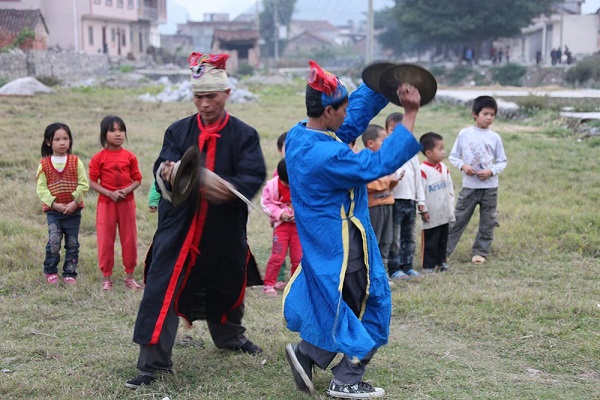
(216, 283)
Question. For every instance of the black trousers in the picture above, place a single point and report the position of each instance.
(435, 241)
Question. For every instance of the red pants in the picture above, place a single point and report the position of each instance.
(284, 236)
(108, 216)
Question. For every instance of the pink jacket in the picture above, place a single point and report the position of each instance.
(269, 201)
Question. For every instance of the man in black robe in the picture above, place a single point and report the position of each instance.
(197, 265)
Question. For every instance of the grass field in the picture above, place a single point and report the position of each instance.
(524, 326)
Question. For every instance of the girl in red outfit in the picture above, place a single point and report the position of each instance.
(277, 204)
(114, 174)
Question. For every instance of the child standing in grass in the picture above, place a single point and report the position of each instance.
(281, 281)
(408, 198)
(61, 184)
(478, 152)
(277, 204)
(114, 174)
(381, 200)
(439, 203)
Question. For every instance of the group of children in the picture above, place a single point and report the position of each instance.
(394, 200)
(423, 188)
(61, 184)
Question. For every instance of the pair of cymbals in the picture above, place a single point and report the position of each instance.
(386, 77)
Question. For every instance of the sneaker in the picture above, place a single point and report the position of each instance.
(426, 271)
(249, 348)
(360, 390)
(444, 267)
(280, 285)
(269, 290)
(301, 368)
(52, 279)
(69, 280)
(399, 275)
(412, 272)
(477, 259)
(130, 283)
(107, 285)
(140, 380)
(390, 282)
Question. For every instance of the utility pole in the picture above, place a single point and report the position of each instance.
(370, 28)
(276, 34)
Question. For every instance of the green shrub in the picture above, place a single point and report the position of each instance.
(510, 74)
(532, 104)
(458, 74)
(245, 69)
(126, 68)
(49, 80)
(584, 71)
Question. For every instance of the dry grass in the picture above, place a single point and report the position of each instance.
(525, 326)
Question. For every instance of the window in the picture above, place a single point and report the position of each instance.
(109, 3)
(97, 1)
(91, 35)
(120, 3)
(129, 3)
(113, 34)
(123, 38)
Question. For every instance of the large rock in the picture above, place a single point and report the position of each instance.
(24, 87)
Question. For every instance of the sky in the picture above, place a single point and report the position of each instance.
(337, 11)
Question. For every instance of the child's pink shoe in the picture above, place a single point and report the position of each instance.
(107, 285)
(130, 283)
(52, 279)
(69, 280)
(280, 285)
(269, 291)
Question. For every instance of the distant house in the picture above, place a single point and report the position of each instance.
(307, 43)
(238, 38)
(113, 27)
(16, 22)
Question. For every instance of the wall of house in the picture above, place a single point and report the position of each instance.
(64, 65)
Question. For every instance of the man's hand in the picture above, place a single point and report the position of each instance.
(167, 171)
(411, 101)
(215, 189)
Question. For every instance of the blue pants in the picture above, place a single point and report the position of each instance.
(59, 225)
(403, 245)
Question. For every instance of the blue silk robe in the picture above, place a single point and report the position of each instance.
(328, 187)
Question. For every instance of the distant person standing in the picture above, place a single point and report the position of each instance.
(114, 175)
(479, 153)
(61, 184)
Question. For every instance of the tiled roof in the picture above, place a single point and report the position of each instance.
(228, 35)
(13, 21)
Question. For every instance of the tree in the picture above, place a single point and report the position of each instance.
(275, 13)
(411, 24)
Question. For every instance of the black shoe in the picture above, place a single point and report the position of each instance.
(138, 381)
(301, 368)
(361, 390)
(249, 348)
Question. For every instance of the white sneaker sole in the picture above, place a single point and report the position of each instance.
(291, 355)
(379, 392)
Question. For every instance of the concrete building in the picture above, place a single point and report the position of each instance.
(114, 27)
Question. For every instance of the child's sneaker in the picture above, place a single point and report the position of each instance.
(360, 390)
(269, 290)
(107, 285)
(69, 280)
(130, 283)
(412, 272)
(425, 271)
(398, 275)
(280, 285)
(52, 279)
(477, 259)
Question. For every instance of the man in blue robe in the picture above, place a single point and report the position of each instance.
(339, 298)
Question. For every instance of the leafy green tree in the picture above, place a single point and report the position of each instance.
(413, 24)
(274, 12)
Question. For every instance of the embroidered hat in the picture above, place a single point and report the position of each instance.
(208, 72)
(324, 88)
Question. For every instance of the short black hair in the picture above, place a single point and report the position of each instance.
(395, 118)
(428, 140)
(282, 171)
(482, 102)
(281, 141)
(371, 133)
(108, 124)
(314, 105)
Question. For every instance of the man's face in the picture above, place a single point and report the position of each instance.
(211, 105)
(335, 118)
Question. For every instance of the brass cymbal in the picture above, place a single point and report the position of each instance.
(385, 78)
